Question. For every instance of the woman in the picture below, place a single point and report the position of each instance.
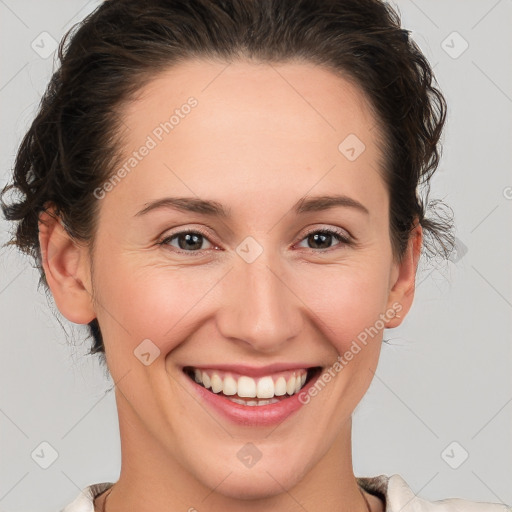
(226, 193)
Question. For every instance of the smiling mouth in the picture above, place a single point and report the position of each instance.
(246, 390)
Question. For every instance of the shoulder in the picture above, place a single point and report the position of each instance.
(84, 502)
(398, 496)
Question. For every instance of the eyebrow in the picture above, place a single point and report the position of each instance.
(214, 209)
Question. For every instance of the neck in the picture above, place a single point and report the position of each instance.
(153, 478)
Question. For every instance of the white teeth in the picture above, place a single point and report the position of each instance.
(229, 385)
(253, 403)
(290, 385)
(280, 387)
(247, 387)
(216, 382)
(265, 388)
(238, 401)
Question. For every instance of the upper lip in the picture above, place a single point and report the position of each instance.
(253, 371)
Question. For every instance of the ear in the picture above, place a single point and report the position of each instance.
(403, 278)
(67, 270)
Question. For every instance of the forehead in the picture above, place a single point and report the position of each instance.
(255, 125)
(295, 91)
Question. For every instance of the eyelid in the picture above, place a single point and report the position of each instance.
(329, 229)
(178, 230)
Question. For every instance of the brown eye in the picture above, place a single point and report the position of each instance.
(188, 241)
(322, 238)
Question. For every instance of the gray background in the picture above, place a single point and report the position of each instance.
(443, 386)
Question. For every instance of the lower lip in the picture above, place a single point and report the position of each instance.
(256, 415)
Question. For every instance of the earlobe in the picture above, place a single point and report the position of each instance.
(65, 265)
(404, 279)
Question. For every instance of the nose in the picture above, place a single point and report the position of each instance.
(259, 306)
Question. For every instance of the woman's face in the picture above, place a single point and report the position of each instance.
(254, 287)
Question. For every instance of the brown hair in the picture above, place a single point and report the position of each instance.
(70, 148)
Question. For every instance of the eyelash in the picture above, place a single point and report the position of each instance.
(339, 234)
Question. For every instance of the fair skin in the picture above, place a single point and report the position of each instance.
(256, 145)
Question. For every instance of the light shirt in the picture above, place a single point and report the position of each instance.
(393, 491)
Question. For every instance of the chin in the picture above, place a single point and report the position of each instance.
(255, 484)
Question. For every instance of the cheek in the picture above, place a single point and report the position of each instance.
(153, 302)
(347, 300)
